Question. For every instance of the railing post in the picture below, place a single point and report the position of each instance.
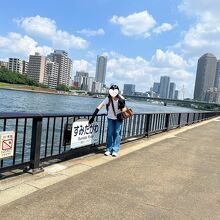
(148, 121)
(179, 120)
(199, 117)
(167, 122)
(187, 120)
(35, 147)
(194, 114)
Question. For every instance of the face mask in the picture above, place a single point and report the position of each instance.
(113, 92)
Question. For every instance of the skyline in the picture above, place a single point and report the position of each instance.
(142, 40)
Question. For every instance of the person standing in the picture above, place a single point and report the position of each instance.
(115, 104)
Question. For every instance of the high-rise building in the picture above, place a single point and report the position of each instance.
(3, 64)
(51, 74)
(15, 65)
(212, 95)
(217, 77)
(89, 83)
(176, 94)
(101, 65)
(164, 86)
(81, 78)
(24, 67)
(129, 89)
(82, 74)
(172, 90)
(36, 67)
(96, 87)
(205, 75)
(156, 87)
(65, 66)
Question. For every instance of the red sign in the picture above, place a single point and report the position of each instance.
(7, 144)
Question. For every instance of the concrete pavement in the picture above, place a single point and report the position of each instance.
(176, 176)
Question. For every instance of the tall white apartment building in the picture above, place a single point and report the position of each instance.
(15, 65)
(65, 66)
(51, 74)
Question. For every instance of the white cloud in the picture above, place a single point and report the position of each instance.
(89, 32)
(91, 54)
(163, 28)
(3, 59)
(83, 65)
(46, 28)
(168, 59)
(143, 73)
(65, 40)
(204, 35)
(39, 26)
(139, 23)
(204, 9)
(15, 44)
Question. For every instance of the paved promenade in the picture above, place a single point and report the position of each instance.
(171, 176)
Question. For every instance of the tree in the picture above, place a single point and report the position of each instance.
(62, 87)
(16, 78)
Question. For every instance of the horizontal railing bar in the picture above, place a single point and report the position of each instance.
(12, 115)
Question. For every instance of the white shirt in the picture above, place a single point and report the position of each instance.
(111, 114)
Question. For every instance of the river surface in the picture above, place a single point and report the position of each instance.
(31, 102)
(22, 101)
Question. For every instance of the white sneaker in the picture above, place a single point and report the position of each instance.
(114, 154)
(107, 153)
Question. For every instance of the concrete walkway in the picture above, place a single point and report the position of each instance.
(177, 177)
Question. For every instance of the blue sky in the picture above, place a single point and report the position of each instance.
(142, 39)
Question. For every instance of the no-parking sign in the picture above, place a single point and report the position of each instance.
(6, 144)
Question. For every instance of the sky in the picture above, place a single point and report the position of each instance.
(143, 40)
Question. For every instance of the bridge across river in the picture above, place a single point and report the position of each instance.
(173, 175)
(166, 101)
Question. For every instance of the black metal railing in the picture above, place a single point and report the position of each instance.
(39, 137)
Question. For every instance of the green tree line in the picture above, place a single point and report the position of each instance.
(16, 78)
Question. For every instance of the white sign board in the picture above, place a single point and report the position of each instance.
(6, 144)
(84, 134)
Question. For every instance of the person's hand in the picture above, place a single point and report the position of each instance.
(91, 120)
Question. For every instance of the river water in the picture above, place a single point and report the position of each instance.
(22, 101)
(31, 102)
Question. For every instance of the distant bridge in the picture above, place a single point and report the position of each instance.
(166, 101)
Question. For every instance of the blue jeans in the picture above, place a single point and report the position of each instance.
(113, 135)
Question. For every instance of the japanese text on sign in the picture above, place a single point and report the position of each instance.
(84, 134)
(85, 129)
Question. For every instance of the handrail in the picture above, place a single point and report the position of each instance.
(70, 114)
(39, 136)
